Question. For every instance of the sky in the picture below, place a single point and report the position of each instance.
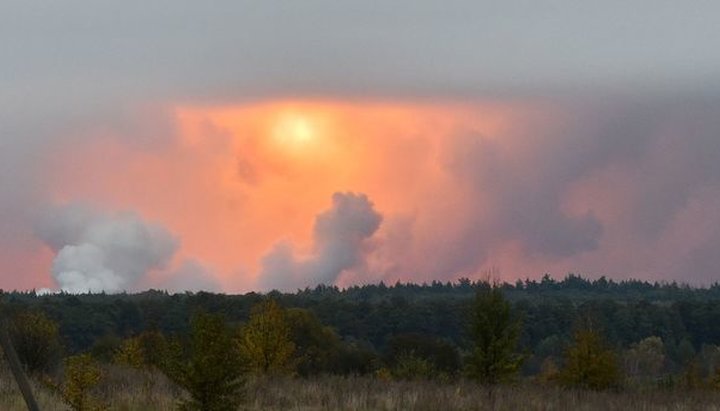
(248, 145)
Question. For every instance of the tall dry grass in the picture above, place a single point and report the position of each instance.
(335, 393)
(131, 390)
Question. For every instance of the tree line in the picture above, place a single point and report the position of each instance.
(575, 332)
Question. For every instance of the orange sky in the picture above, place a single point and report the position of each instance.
(235, 180)
(529, 149)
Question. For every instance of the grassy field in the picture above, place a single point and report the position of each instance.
(125, 389)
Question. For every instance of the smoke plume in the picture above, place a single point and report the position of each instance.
(340, 243)
(103, 252)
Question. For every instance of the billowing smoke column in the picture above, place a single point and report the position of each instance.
(103, 252)
(340, 242)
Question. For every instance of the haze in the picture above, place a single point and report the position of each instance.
(257, 145)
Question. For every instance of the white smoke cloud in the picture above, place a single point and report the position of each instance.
(103, 252)
(81, 268)
(340, 240)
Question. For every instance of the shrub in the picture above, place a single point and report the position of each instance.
(409, 366)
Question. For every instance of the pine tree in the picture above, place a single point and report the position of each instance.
(495, 331)
(212, 373)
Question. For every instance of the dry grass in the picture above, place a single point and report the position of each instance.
(125, 389)
(333, 393)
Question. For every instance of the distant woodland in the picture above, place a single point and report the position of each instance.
(593, 334)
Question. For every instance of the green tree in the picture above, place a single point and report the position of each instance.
(317, 347)
(209, 367)
(265, 341)
(495, 331)
(589, 364)
(37, 341)
(105, 347)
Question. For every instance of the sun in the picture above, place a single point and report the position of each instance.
(295, 130)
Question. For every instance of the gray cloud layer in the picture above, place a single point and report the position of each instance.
(623, 190)
(79, 51)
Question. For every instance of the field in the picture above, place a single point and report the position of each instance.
(125, 389)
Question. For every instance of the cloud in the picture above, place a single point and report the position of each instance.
(591, 186)
(103, 252)
(545, 186)
(599, 186)
(524, 188)
(114, 53)
(340, 238)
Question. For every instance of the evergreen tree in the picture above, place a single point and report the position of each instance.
(495, 331)
(212, 373)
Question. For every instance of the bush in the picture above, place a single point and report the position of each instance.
(409, 366)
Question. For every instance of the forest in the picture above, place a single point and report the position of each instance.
(215, 351)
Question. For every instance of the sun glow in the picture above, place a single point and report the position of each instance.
(294, 129)
(259, 173)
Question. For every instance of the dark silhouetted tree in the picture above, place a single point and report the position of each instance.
(209, 367)
(37, 341)
(317, 347)
(495, 331)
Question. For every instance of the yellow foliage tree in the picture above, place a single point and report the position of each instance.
(265, 340)
(130, 353)
(589, 364)
(144, 351)
(37, 341)
(82, 374)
